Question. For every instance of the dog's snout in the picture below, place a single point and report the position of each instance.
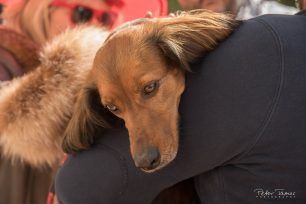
(148, 159)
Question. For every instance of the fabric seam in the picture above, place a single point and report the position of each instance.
(278, 90)
(222, 184)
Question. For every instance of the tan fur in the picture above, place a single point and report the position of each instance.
(35, 109)
(135, 55)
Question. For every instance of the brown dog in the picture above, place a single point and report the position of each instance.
(139, 75)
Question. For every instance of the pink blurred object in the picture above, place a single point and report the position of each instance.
(118, 3)
(128, 9)
(133, 9)
(9, 1)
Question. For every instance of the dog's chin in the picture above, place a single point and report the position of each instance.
(164, 162)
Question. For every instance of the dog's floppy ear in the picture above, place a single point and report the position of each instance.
(188, 35)
(88, 114)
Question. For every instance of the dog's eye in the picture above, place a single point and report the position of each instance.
(150, 88)
(111, 107)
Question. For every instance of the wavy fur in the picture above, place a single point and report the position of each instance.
(35, 108)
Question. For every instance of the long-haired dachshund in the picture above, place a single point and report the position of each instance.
(138, 74)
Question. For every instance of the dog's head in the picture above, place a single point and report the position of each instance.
(139, 75)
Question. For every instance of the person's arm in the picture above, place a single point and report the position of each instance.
(227, 103)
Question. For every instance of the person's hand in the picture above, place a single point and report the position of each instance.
(22, 49)
(9, 67)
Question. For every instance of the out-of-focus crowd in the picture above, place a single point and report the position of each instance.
(26, 25)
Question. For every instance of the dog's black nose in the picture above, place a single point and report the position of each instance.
(148, 159)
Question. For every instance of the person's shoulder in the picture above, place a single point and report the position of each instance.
(302, 12)
(277, 26)
(280, 22)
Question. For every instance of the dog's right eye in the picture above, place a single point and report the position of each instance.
(150, 88)
(111, 107)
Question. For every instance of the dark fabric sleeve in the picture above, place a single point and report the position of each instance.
(229, 101)
(102, 166)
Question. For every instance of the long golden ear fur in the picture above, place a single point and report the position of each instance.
(76, 135)
(88, 114)
(188, 35)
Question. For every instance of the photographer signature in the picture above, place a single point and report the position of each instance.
(275, 193)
